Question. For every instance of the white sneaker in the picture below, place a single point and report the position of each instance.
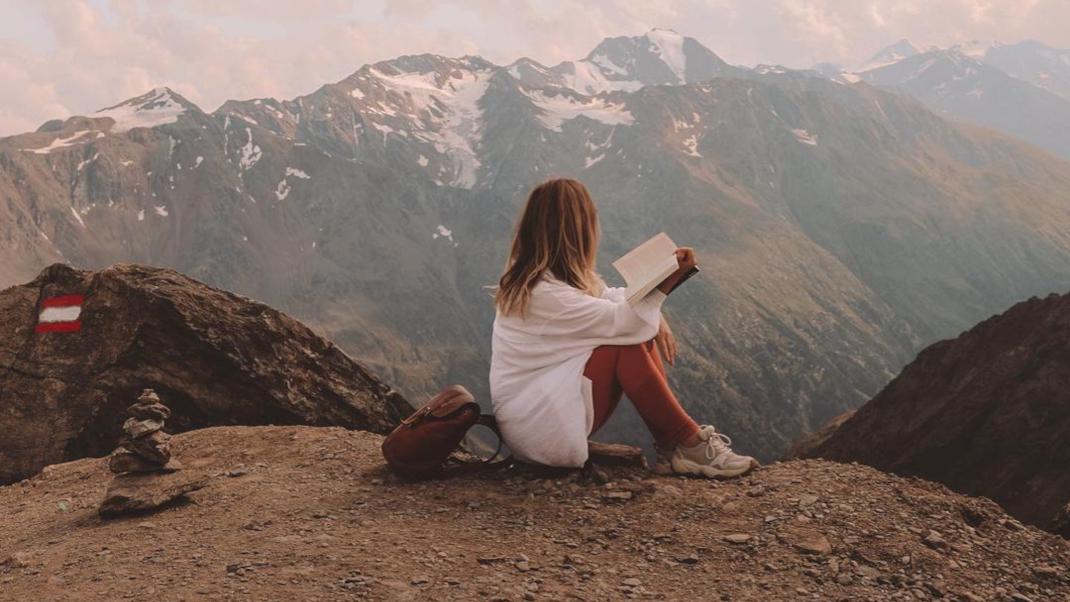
(711, 457)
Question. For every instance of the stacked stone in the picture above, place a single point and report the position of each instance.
(144, 446)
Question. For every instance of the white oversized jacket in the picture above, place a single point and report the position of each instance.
(540, 396)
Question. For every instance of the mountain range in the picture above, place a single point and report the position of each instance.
(840, 227)
(1022, 89)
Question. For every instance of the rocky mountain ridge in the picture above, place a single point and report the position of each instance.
(1028, 60)
(216, 358)
(987, 413)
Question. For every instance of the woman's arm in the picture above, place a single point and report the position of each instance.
(605, 320)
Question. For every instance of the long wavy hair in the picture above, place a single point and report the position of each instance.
(557, 233)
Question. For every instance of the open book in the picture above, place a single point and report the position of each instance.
(645, 266)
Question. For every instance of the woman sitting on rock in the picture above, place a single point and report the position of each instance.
(565, 347)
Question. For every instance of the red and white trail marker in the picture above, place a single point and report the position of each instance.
(61, 314)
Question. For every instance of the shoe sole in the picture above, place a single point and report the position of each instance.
(682, 466)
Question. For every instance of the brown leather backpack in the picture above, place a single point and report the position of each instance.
(423, 442)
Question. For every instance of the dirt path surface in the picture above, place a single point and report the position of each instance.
(301, 513)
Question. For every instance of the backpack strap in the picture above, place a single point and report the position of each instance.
(489, 421)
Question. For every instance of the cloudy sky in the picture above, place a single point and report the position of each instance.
(64, 57)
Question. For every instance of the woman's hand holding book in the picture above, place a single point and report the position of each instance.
(685, 258)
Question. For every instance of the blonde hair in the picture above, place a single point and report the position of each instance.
(557, 233)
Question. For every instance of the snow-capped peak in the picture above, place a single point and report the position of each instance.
(669, 46)
(975, 48)
(658, 57)
(158, 106)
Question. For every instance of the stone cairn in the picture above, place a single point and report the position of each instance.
(144, 446)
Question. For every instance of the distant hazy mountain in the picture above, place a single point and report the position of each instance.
(1040, 65)
(1021, 89)
(839, 227)
(962, 87)
(890, 55)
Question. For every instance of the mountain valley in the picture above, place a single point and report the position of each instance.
(840, 228)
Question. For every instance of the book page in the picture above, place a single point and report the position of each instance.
(645, 266)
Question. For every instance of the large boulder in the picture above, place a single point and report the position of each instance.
(987, 413)
(68, 374)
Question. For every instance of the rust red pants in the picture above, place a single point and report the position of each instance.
(637, 370)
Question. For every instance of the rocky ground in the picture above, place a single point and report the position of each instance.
(302, 513)
(1007, 423)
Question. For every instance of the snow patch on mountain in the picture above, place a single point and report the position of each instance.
(588, 77)
(691, 145)
(250, 153)
(157, 107)
(443, 232)
(770, 70)
(976, 49)
(804, 136)
(60, 142)
(607, 64)
(669, 46)
(82, 164)
(282, 190)
(557, 108)
(77, 217)
(442, 110)
(385, 129)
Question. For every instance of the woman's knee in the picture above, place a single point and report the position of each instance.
(603, 361)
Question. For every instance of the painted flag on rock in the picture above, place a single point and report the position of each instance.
(61, 314)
